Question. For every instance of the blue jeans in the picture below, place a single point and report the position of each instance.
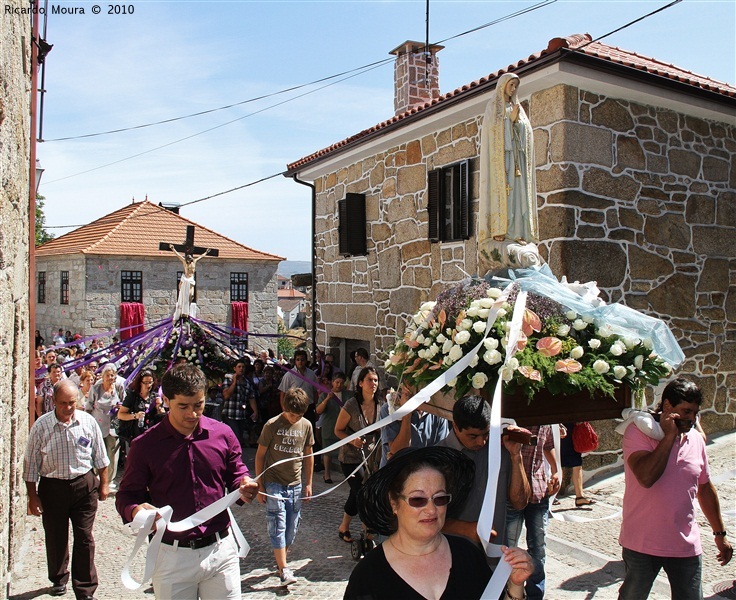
(535, 517)
(641, 569)
(283, 514)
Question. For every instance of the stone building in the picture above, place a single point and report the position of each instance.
(83, 277)
(15, 156)
(636, 179)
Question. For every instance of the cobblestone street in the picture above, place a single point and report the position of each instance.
(583, 559)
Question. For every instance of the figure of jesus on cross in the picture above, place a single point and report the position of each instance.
(185, 299)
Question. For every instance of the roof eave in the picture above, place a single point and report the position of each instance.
(564, 54)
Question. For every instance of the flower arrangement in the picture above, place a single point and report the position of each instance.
(558, 350)
(192, 343)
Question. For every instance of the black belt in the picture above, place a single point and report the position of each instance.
(202, 542)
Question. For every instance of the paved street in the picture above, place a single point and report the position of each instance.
(583, 558)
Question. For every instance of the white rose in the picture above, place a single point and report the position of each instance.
(483, 313)
(441, 339)
(588, 319)
(486, 303)
(514, 363)
(617, 349)
(563, 330)
(462, 337)
(630, 342)
(447, 346)
(448, 332)
(490, 343)
(420, 339)
(579, 324)
(418, 318)
(639, 361)
(479, 327)
(648, 343)
(434, 349)
(605, 331)
(619, 372)
(465, 324)
(422, 353)
(387, 364)
(456, 353)
(473, 311)
(492, 357)
(428, 341)
(501, 312)
(571, 315)
(452, 382)
(447, 362)
(594, 344)
(493, 292)
(474, 362)
(601, 367)
(427, 306)
(577, 352)
(479, 380)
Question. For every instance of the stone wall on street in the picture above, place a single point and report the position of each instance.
(95, 292)
(15, 95)
(639, 198)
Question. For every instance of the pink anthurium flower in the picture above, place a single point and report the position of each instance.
(568, 365)
(531, 322)
(549, 346)
(530, 373)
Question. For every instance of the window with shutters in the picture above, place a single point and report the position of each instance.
(41, 287)
(352, 225)
(64, 287)
(448, 203)
(131, 286)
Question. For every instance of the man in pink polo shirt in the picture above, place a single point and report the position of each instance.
(663, 478)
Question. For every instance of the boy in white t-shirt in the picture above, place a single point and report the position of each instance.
(288, 435)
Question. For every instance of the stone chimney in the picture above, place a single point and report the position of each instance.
(416, 81)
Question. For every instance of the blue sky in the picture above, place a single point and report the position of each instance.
(172, 58)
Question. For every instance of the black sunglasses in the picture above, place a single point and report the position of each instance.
(440, 499)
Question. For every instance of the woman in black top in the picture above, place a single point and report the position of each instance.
(133, 410)
(356, 414)
(408, 500)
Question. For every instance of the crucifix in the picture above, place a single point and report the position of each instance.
(186, 289)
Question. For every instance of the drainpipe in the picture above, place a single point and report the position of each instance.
(314, 263)
(32, 220)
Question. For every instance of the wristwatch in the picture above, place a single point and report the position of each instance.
(721, 533)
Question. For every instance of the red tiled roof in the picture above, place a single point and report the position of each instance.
(290, 293)
(581, 43)
(136, 230)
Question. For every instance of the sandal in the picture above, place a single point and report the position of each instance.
(583, 501)
(345, 536)
(327, 480)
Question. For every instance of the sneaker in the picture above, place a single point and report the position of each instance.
(287, 576)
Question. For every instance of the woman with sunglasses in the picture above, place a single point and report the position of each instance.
(356, 414)
(408, 500)
(133, 410)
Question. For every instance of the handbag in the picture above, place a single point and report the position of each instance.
(584, 437)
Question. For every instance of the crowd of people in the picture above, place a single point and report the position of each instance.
(418, 484)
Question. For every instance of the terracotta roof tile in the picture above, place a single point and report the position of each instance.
(575, 43)
(136, 229)
(290, 293)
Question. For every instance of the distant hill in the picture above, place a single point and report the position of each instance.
(287, 268)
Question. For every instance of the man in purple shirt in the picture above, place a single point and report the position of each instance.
(188, 461)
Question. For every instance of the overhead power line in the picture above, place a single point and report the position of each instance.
(252, 183)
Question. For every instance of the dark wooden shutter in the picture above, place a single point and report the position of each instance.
(433, 204)
(464, 199)
(357, 244)
(342, 226)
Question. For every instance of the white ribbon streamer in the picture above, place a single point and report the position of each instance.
(500, 576)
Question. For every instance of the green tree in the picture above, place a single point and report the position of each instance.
(42, 236)
(285, 346)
